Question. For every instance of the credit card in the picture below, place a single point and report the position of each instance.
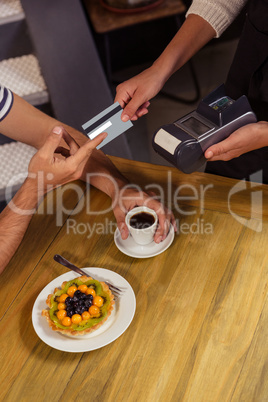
(109, 120)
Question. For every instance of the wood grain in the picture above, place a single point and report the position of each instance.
(200, 328)
(104, 20)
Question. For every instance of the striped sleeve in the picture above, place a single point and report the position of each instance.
(6, 101)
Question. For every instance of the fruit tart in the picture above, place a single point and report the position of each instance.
(79, 307)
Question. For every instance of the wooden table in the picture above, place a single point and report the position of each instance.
(201, 324)
(104, 20)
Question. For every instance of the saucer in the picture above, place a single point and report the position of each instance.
(132, 249)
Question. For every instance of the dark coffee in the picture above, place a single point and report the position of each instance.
(141, 220)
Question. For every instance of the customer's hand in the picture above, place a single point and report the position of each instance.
(128, 198)
(50, 171)
(134, 95)
(245, 139)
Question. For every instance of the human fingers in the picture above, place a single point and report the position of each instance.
(131, 96)
(227, 149)
(85, 150)
(70, 141)
(63, 151)
(245, 139)
(124, 93)
(132, 107)
(121, 224)
(165, 220)
(143, 109)
(145, 105)
(132, 197)
(52, 142)
(165, 217)
(223, 151)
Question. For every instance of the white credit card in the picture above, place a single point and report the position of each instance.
(109, 120)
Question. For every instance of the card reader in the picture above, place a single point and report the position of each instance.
(184, 142)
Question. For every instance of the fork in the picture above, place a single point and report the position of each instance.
(61, 260)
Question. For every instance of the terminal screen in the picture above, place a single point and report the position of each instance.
(195, 125)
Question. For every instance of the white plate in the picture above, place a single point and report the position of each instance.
(116, 324)
(132, 249)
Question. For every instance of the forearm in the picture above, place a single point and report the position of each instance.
(103, 174)
(219, 14)
(205, 20)
(191, 37)
(15, 219)
(260, 132)
(28, 124)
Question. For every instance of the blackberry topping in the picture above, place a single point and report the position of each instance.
(81, 304)
(70, 312)
(77, 295)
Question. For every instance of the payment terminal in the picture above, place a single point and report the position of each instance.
(184, 142)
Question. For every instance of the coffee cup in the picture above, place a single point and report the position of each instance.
(142, 223)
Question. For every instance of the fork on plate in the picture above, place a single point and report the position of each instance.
(61, 260)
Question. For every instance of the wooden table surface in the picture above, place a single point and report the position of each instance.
(201, 324)
(104, 20)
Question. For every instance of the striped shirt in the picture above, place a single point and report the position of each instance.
(6, 101)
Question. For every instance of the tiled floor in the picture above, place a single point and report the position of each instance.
(211, 65)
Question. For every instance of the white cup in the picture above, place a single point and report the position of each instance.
(144, 232)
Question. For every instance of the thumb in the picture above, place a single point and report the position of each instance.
(131, 108)
(209, 153)
(85, 150)
(52, 142)
(121, 224)
(123, 229)
(216, 150)
(97, 140)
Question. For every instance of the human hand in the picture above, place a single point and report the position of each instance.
(134, 94)
(128, 198)
(245, 139)
(49, 171)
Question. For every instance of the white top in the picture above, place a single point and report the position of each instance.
(218, 13)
